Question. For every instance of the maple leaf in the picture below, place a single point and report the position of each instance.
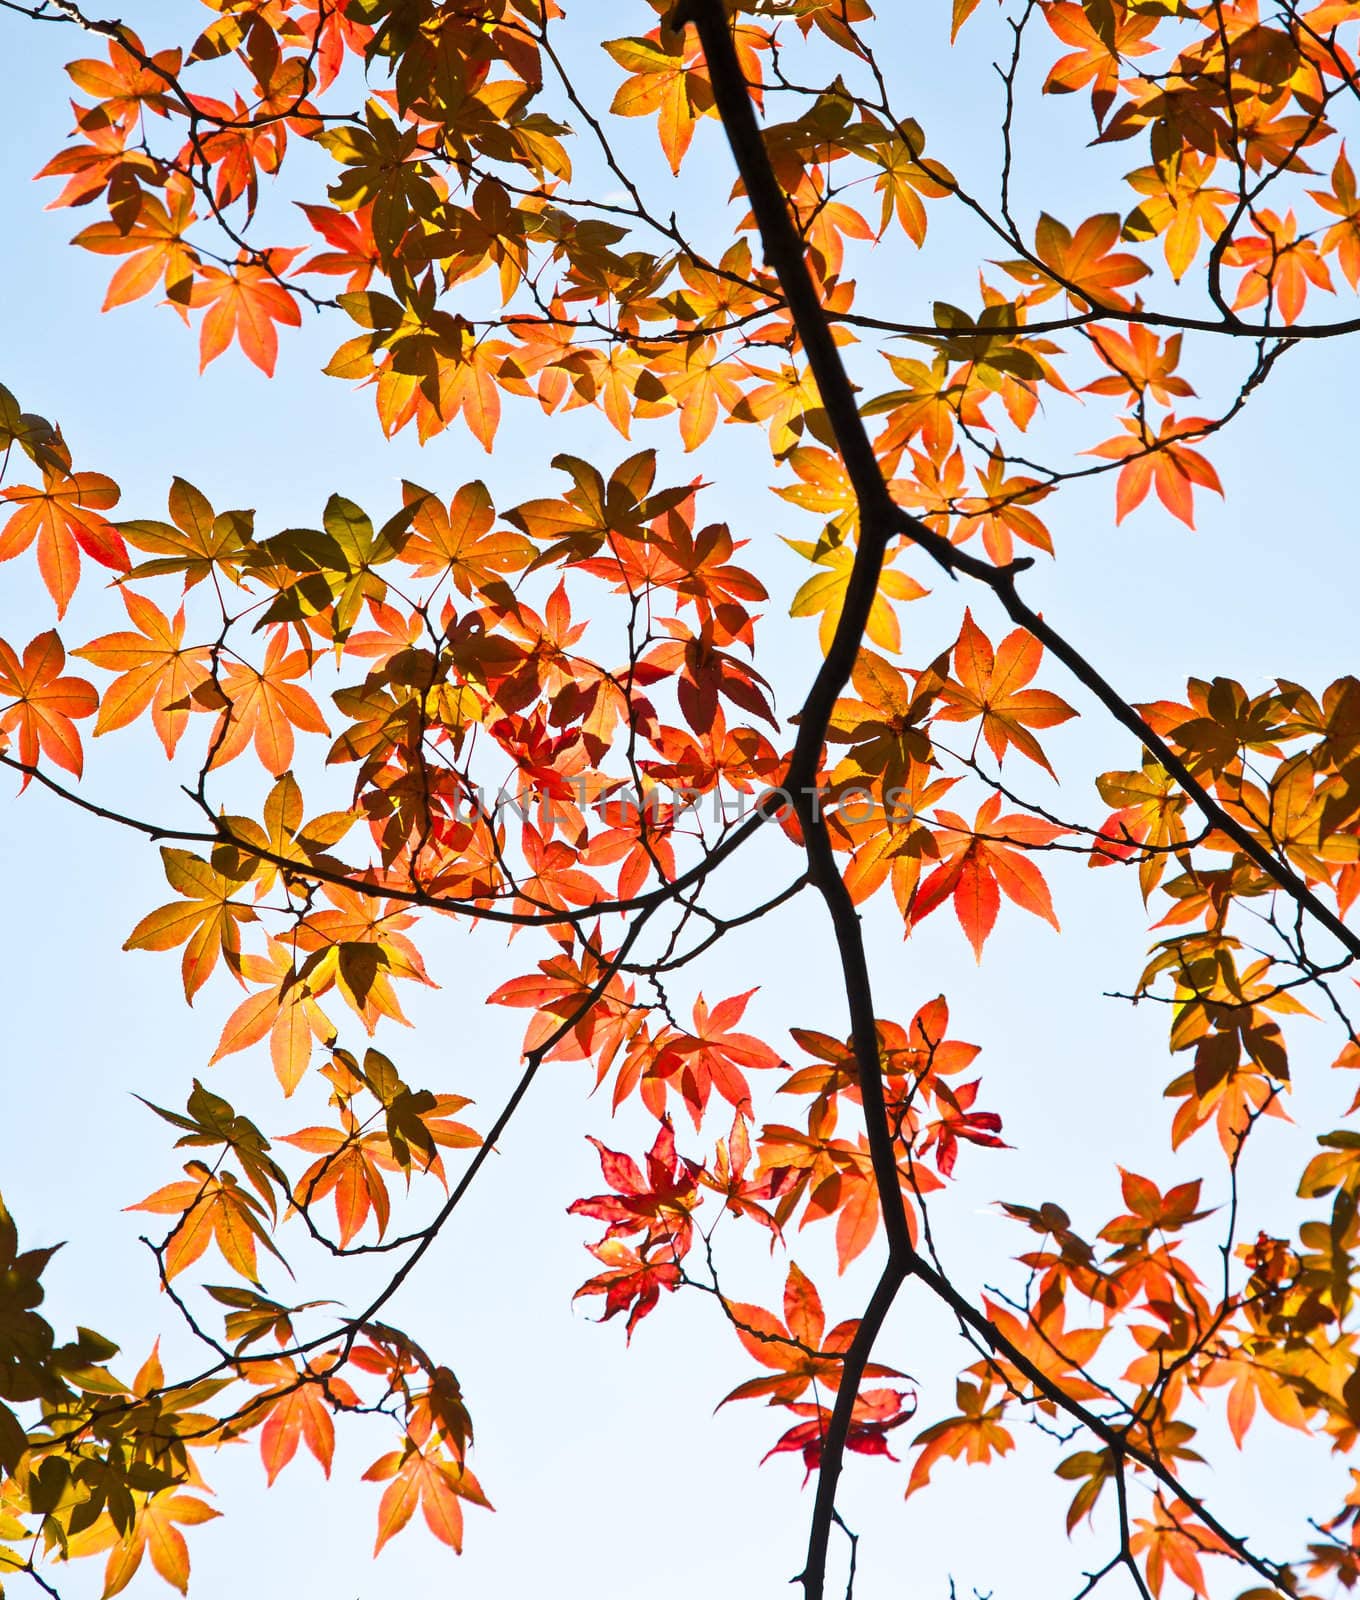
(420, 1477)
(350, 1169)
(1173, 1541)
(825, 225)
(301, 1413)
(1141, 364)
(42, 704)
(469, 374)
(659, 1204)
(104, 165)
(283, 836)
(976, 864)
(264, 705)
(560, 992)
(63, 516)
(712, 1056)
(195, 542)
(332, 571)
(354, 250)
(1181, 203)
(959, 1121)
(825, 488)
(927, 406)
(210, 1208)
(631, 1282)
(1250, 1380)
(702, 574)
(875, 1412)
(238, 148)
(1100, 50)
(1061, 1353)
(457, 541)
(834, 1175)
(155, 671)
(1278, 265)
(594, 511)
(1163, 461)
(991, 686)
(1151, 1211)
(668, 77)
(155, 244)
(1149, 809)
(156, 1522)
(1002, 514)
(905, 178)
(694, 377)
(1082, 265)
(741, 1195)
(285, 1011)
(208, 922)
(1343, 236)
(245, 302)
(976, 1434)
(208, 1121)
(130, 81)
(360, 948)
(414, 1119)
(885, 728)
(799, 1351)
(790, 402)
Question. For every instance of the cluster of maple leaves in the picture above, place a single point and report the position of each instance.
(549, 710)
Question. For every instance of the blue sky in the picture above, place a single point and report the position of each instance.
(610, 1475)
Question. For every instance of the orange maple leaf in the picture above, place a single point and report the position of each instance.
(979, 862)
(63, 516)
(799, 1351)
(208, 925)
(1343, 237)
(244, 303)
(437, 1486)
(210, 1207)
(1082, 265)
(669, 77)
(354, 250)
(1141, 364)
(285, 1010)
(976, 1434)
(458, 540)
(1278, 264)
(265, 705)
(992, 687)
(156, 247)
(154, 670)
(350, 1168)
(712, 1056)
(123, 85)
(44, 705)
(155, 1528)
(300, 1414)
(1099, 54)
(1164, 461)
(1182, 203)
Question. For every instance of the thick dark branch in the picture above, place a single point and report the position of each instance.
(879, 519)
(894, 1275)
